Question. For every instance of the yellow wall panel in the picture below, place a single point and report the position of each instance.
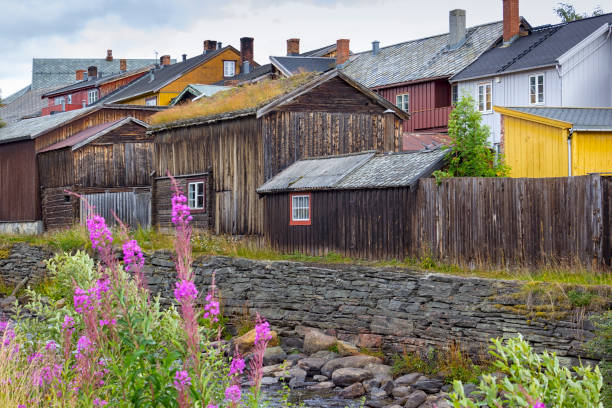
(533, 149)
(591, 153)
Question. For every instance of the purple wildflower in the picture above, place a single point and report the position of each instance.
(51, 346)
(211, 406)
(35, 358)
(181, 380)
(539, 405)
(132, 256)
(185, 290)
(233, 393)
(99, 402)
(237, 366)
(102, 286)
(211, 308)
(180, 210)
(68, 323)
(47, 375)
(82, 301)
(7, 334)
(83, 345)
(262, 332)
(99, 234)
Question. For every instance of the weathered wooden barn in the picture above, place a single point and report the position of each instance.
(110, 161)
(357, 205)
(221, 160)
(20, 204)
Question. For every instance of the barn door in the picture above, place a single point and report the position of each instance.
(132, 207)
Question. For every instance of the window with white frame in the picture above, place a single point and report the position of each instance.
(59, 100)
(195, 191)
(229, 68)
(454, 94)
(403, 102)
(151, 101)
(92, 96)
(300, 209)
(485, 97)
(536, 89)
(69, 99)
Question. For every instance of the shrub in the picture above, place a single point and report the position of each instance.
(530, 379)
(601, 345)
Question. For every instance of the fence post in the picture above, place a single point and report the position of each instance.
(596, 220)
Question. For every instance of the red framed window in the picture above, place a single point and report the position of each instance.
(300, 209)
(196, 195)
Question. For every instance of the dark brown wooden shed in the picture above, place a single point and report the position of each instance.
(359, 205)
(223, 159)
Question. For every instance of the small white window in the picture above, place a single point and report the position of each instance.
(92, 96)
(69, 99)
(454, 94)
(403, 102)
(485, 98)
(229, 68)
(59, 100)
(300, 209)
(151, 101)
(536, 89)
(196, 195)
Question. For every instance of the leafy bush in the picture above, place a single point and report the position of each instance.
(68, 270)
(529, 379)
(601, 345)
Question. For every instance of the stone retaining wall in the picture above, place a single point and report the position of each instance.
(372, 307)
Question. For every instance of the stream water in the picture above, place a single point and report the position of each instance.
(310, 399)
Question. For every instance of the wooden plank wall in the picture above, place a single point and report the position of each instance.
(471, 221)
(162, 202)
(232, 151)
(132, 207)
(19, 193)
(291, 136)
(59, 209)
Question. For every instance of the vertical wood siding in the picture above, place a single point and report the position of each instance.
(19, 193)
(133, 208)
(467, 220)
(162, 202)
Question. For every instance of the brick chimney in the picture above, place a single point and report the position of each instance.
(184, 57)
(511, 20)
(246, 50)
(209, 45)
(79, 74)
(164, 60)
(342, 51)
(293, 46)
(456, 27)
(92, 72)
(109, 55)
(122, 65)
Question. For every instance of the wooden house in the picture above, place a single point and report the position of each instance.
(221, 159)
(557, 142)
(20, 204)
(110, 161)
(357, 205)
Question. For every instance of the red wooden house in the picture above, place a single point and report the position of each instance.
(414, 75)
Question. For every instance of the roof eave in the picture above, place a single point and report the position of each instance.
(532, 117)
(109, 129)
(494, 74)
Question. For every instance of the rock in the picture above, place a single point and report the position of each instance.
(60, 303)
(374, 403)
(428, 385)
(246, 341)
(296, 383)
(320, 378)
(393, 406)
(435, 402)
(274, 355)
(407, 379)
(468, 388)
(349, 375)
(401, 391)
(415, 399)
(381, 372)
(295, 357)
(388, 386)
(377, 393)
(325, 355)
(346, 348)
(269, 380)
(311, 364)
(353, 391)
(316, 340)
(297, 373)
(370, 384)
(322, 386)
(369, 340)
(344, 362)
(267, 370)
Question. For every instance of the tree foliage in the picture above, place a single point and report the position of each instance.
(567, 12)
(470, 152)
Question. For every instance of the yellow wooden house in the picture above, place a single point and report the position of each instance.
(162, 84)
(556, 142)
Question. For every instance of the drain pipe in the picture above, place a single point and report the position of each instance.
(569, 152)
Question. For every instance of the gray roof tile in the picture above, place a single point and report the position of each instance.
(296, 64)
(27, 104)
(420, 59)
(595, 119)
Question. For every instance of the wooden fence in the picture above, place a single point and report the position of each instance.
(133, 208)
(479, 221)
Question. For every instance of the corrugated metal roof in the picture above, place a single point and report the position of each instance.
(541, 48)
(81, 136)
(595, 119)
(355, 171)
(292, 65)
(420, 59)
(30, 128)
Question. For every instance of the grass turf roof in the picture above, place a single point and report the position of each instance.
(249, 96)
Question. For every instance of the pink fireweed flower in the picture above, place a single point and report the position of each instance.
(106, 322)
(35, 358)
(102, 287)
(211, 309)
(236, 366)
(99, 234)
(262, 332)
(82, 301)
(211, 406)
(182, 380)
(51, 346)
(99, 402)
(181, 215)
(539, 405)
(132, 256)
(68, 324)
(47, 374)
(233, 394)
(185, 290)
(7, 334)
(83, 345)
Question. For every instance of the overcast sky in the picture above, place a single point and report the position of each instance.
(136, 29)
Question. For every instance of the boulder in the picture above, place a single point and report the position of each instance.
(401, 391)
(415, 399)
(369, 340)
(322, 386)
(274, 355)
(325, 355)
(346, 348)
(371, 384)
(388, 386)
(320, 378)
(246, 341)
(351, 361)
(346, 376)
(311, 364)
(298, 373)
(269, 380)
(267, 370)
(377, 393)
(381, 372)
(315, 340)
(430, 386)
(407, 379)
(353, 391)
